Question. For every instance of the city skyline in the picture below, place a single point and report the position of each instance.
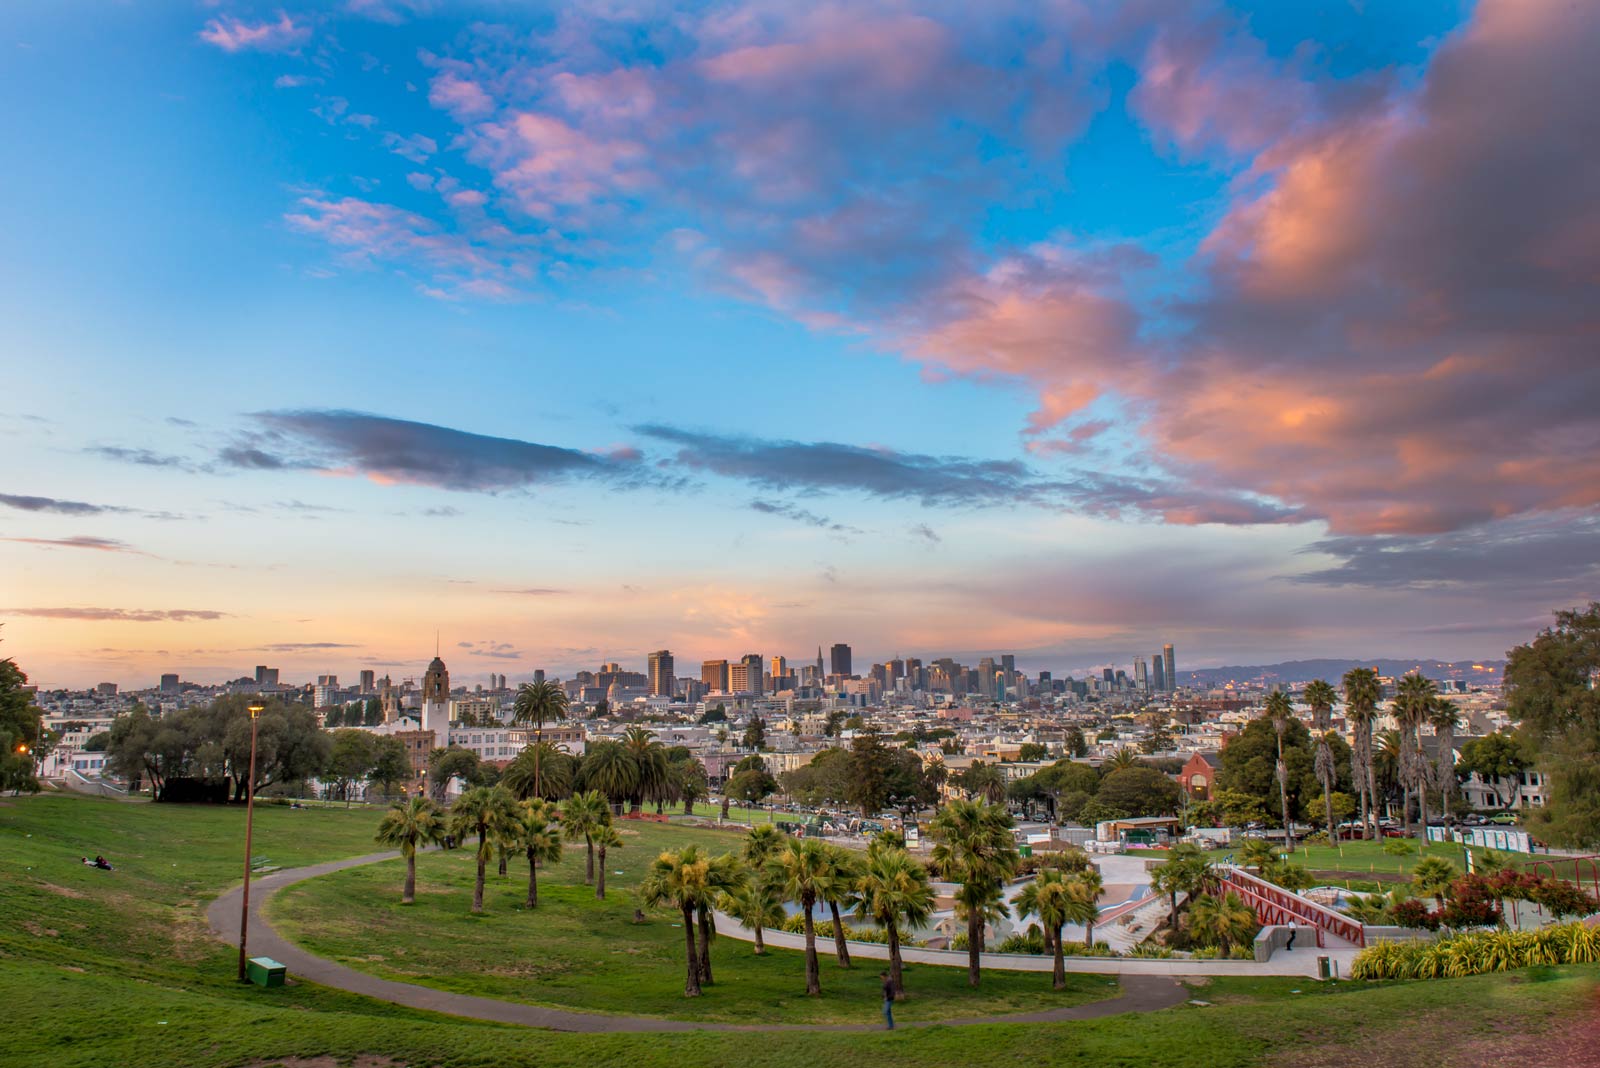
(582, 333)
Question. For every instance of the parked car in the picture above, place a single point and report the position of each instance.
(1504, 819)
(1395, 832)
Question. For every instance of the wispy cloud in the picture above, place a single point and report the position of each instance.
(81, 541)
(535, 591)
(232, 34)
(141, 457)
(801, 515)
(121, 615)
(56, 505)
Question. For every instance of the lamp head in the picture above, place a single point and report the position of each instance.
(255, 710)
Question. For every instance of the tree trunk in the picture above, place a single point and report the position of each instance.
(688, 806)
(1282, 772)
(410, 895)
(725, 801)
(840, 947)
(1058, 969)
(1327, 811)
(600, 877)
(813, 973)
(1372, 789)
(1174, 898)
(1088, 936)
(691, 983)
(533, 882)
(705, 943)
(761, 944)
(502, 862)
(974, 946)
(588, 844)
(895, 978)
(477, 889)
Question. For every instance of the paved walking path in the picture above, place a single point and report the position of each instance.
(1145, 993)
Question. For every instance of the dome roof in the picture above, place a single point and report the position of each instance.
(437, 665)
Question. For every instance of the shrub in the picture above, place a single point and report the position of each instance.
(1032, 942)
(1472, 903)
(1398, 847)
(1413, 913)
(1478, 952)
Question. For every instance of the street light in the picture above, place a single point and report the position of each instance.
(249, 826)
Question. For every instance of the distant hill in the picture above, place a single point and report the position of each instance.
(1487, 671)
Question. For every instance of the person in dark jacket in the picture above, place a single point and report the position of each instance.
(888, 1001)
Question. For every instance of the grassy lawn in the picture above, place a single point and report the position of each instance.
(578, 953)
(116, 968)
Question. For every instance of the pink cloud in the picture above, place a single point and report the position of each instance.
(464, 99)
(236, 35)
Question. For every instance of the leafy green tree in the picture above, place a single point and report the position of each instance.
(870, 765)
(1432, 877)
(1344, 806)
(689, 777)
(1327, 773)
(680, 879)
(1498, 759)
(803, 868)
(487, 813)
(755, 734)
(1140, 791)
(894, 890)
(1031, 751)
(391, 765)
(351, 760)
(719, 714)
(981, 780)
(582, 816)
(1123, 759)
(371, 716)
(334, 718)
(532, 831)
(452, 762)
(974, 847)
(1076, 744)
(1445, 716)
(1361, 692)
(538, 703)
(1281, 713)
(406, 826)
(1551, 691)
(751, 786)
(22, 731)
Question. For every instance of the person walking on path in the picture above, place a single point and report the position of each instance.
(1293, 930)
(888, 1001)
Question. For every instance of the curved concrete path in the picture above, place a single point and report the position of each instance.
(1139, 993)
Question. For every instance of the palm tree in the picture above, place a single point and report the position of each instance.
(894, 890)
(581, 816)
(1413, 702)
(539, 703)
(541, 765)
(650, 757)
(757, 902)
(1121, 760)
(486, 812)
(611, 769)
(1055, 898)
(1445, 716)
(680, 879)
(1186, 871)
(839, 889)
(1221, 921)
(975, 848)
(1281, 712)
(1432, 877)
(1327, 770)
(603, 839)
(1087, 885)
(1361, 708)
(1257, 853)
(407, 825)
(761, 843)
(803, 867)
(541, 841)
(1321, 697)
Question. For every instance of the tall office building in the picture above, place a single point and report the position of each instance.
(1158, 674)
(369, 681)
(266, 678)
(1172, 667)
(841, 660)
(330, 681)
(1008, 668)
(661, 678)
(779, 672)
(1108, 675)
(714, 674)
(538, 674)
(986, 676)
(169, 683)
(1141, 679)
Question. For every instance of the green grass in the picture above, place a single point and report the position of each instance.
(1360, 860)
(578, 953)
(116, 968)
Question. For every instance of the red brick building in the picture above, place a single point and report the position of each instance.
(1199, 776)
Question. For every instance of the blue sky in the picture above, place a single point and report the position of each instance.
(749, 327)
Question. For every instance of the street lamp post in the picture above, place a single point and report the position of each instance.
(249, 827)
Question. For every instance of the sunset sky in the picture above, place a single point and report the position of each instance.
(572, 332)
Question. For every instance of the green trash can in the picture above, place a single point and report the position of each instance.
(264, 971)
